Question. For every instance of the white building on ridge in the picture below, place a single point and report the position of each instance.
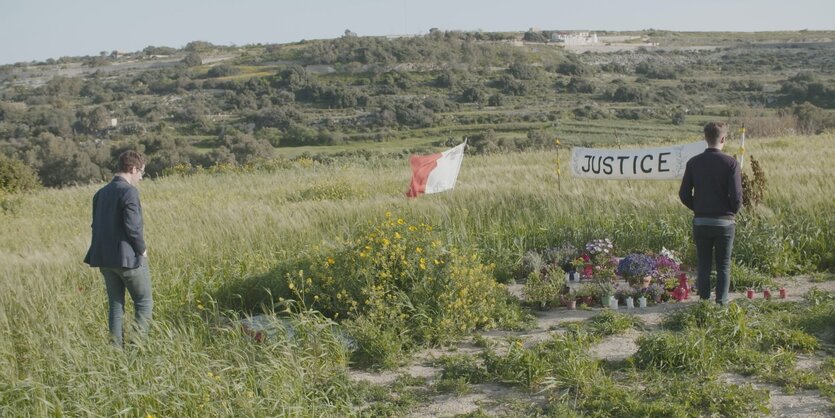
(574, 38)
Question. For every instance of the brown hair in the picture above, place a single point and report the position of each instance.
(714, 131)
(130, 159)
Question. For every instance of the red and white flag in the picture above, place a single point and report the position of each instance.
(436, 172)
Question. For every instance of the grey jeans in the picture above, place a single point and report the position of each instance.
(138, 283)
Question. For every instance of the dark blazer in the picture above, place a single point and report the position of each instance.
(712, 185)
(117, 227)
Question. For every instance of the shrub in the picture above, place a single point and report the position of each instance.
(580, 85)
(397, 282)
(473, 95)
(16, 177)
(495, 100)
(192, 60)
(574, 69)
(542, 289)
(223, 70)
(523, 71)
(753, 188)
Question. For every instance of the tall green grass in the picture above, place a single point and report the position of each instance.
(209, 230)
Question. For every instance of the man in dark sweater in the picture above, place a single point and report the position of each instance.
(118, 246)
(712, 189)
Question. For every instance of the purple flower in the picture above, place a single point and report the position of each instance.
(637, 265)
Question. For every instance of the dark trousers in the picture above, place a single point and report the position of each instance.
(714, 243)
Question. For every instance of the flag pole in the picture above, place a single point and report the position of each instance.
(559, 169)
(742, 148)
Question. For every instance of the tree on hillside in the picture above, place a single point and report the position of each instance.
(56, 121)
(446, 79)
(293, 78)
(223, 70)
(245, 147)
(531, 36)
(199, 46)
(93, 121)
(580, 85)
(192, 60)
(277, 117)
(61, 162)
(475, 94)
(574, 68)
(496, 100)
(523, 71)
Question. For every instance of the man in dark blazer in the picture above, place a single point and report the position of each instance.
(712, 189)
(118, 246)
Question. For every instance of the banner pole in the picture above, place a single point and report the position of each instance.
(559, 170)
(742, 148)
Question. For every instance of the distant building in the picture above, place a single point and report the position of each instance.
(574, 38)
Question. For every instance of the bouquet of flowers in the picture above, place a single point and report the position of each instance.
(583, 265)
(561, 256)
(666, 264)
(599, 246)
(654, 292)
(670, 254)
(622, 293)
(635, 267)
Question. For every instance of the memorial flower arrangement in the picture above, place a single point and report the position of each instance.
(596, 259)
(654, 292)
(600, 247)
(634, 267)
(667, 264)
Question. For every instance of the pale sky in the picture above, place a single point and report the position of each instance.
(41, 29)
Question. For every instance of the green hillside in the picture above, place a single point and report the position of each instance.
(205, 104)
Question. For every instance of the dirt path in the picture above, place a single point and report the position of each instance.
(503, 400)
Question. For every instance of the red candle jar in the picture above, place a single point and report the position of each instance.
(767, 294)
(750, 293)
(782, 293)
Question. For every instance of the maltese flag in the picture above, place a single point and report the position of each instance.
(435, 173)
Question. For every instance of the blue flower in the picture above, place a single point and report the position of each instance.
(636, 265)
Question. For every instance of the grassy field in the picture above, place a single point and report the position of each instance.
(211, 234)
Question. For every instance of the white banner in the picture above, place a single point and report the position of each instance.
(663, 163)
